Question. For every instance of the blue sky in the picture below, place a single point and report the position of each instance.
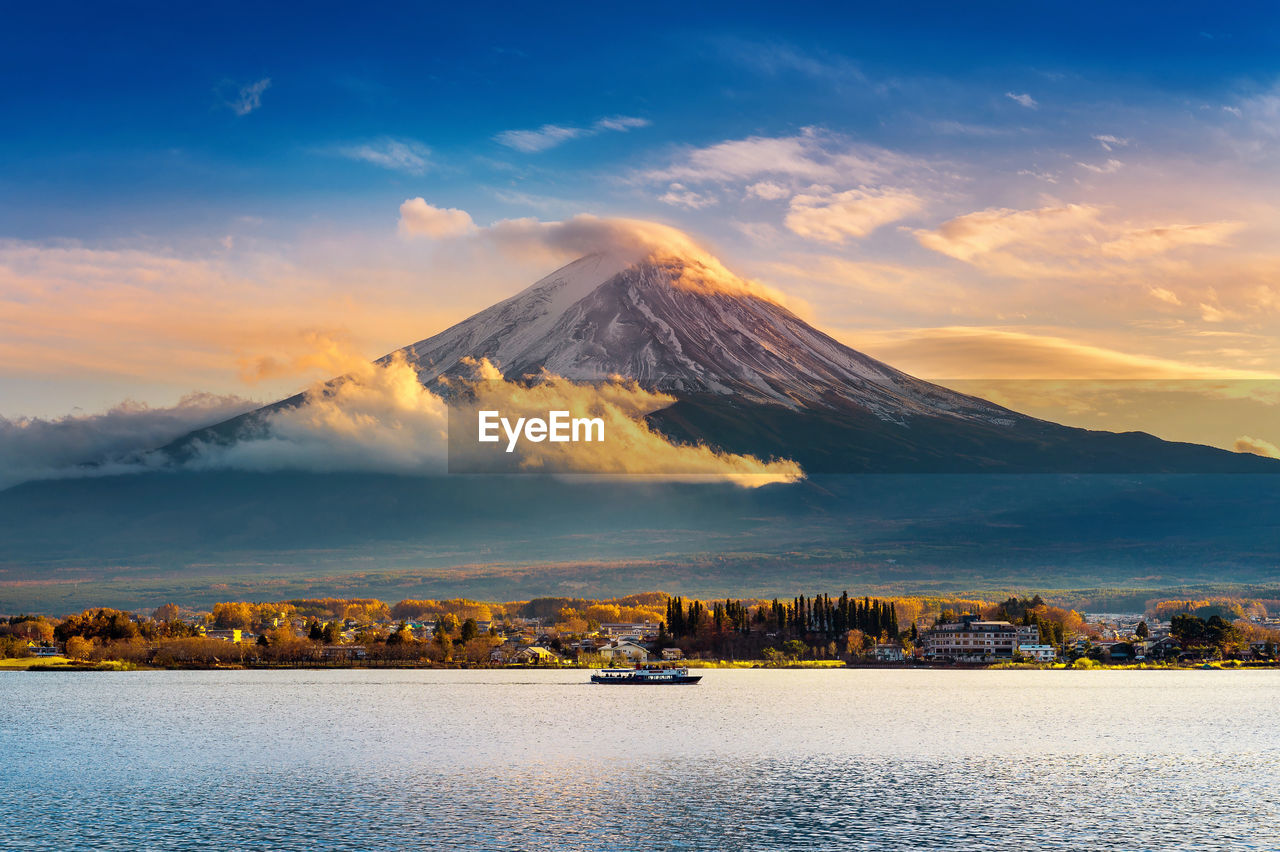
(119, 118)
(1025, 190)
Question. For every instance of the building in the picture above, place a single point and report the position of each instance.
(223, 635)
(889, 652)
(672, 654)
(970, 640)
(1164, 648)
(634, 630)
(1028, 634)
(536, 654)
(1039, 653)
(624, 651)
(1116, 651)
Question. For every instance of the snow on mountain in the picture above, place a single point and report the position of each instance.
(749, 377)
(685, 326)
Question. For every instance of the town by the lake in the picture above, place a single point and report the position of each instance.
(814, 631)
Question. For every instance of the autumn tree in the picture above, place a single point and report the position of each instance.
(28, 628)
(167, 612)
(236, 615)
(102, 624)
(402, 635)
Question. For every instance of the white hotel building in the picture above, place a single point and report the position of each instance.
(972, 640)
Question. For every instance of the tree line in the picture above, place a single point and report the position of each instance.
(816, 627)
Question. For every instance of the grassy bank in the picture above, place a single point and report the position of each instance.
(65, 664)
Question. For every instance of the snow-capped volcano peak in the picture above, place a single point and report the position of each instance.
(750, 377)
(682, 324)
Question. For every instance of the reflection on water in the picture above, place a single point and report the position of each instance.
(541, 761)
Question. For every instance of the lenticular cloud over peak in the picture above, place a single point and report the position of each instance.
(624, 241)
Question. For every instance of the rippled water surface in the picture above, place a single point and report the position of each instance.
(541, 760)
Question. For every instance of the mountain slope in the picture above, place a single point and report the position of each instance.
(680, 326)
(751, 377)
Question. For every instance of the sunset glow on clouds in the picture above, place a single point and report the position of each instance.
(217, 219)
(378, 417)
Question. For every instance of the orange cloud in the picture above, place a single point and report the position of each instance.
(833, 217)
(420, 219)
(999, 237)
(1257, 446)
(380, 417)
(630, 447)
(1068, 240)
(320, 353)
(967, 352)
(1144, 242)
(217, 319)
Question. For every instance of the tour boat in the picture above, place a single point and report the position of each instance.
(645, 675)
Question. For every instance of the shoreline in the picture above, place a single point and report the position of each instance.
(39, 664)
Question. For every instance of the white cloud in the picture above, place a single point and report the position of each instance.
(247, 98)
(375, 418)
(774, 59)
(621, 123)
(811, 157)
(101, 444)
(420, 219)
(678, 195)
(1109, 167)
(768, 190)
(960, 128)
(1023, 100)
(550, 135)
(584, 234)
(573, 237)
(1108, 141)
(403, 155)
(1047, 177)
(833, 217)
(532, 141)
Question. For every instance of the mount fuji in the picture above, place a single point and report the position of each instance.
(749, 376)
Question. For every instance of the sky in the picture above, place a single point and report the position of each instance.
(233, 200)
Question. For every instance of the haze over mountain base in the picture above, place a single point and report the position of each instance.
(196, 538)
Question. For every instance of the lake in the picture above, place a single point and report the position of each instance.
(542, 760)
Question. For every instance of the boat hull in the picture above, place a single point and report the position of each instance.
(642, 677)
